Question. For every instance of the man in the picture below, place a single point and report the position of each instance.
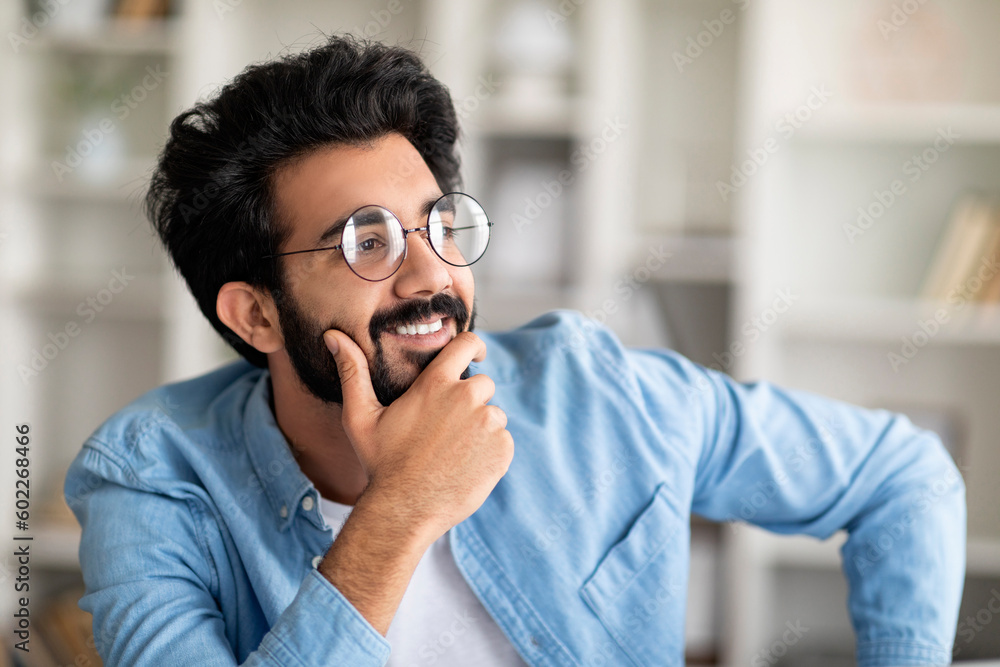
(374, 475)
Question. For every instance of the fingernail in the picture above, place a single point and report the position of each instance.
(331, 343)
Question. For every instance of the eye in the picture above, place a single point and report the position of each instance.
(370, 245)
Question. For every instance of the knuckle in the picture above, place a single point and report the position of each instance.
(479, 384)
(469, 337)
(499, 416)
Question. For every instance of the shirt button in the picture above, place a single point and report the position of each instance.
(284, 512)
(308, 503)
(316, 561)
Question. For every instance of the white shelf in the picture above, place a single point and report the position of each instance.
(798, 550)
(515, 117)
(56, 546)
(888, 320)
(502, 308)
(125, 186)
(140, 300)
(113, 37)
(907, 124)
(983, 557)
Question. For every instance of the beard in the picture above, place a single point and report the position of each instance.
(317, 369)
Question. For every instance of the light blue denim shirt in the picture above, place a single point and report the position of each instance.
(201, 533)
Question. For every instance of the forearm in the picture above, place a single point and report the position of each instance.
(373, 558)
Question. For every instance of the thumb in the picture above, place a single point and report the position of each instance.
(355, 378)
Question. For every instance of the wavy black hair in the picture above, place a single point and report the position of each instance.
(211, 197)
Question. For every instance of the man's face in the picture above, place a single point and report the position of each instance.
(320, 290)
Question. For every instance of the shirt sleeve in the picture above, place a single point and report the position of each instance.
(149, 580)
(794, 462)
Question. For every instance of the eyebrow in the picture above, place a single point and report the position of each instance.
(333, 231)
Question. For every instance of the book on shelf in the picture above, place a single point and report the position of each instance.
(141, 10)
(991, 290)
(964, 261)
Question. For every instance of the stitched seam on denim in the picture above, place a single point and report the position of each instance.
(371, 640)
(285, 650)
(888, 646)
(197, 517)
(623, 643)
(133, 435)
(649, 559)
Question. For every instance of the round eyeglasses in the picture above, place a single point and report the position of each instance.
(373, 240)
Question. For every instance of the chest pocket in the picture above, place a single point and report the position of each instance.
(639, 589)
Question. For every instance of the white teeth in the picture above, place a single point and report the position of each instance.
(413, 329)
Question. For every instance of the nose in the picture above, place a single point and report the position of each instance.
(423, 273)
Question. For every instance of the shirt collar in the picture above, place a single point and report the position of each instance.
(280, 476)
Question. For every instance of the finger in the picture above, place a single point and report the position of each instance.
(355, 378)
(498, 415)
(481, 387)
(457, 354)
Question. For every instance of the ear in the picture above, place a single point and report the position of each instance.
(251, 314)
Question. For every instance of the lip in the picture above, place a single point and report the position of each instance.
(435, 340)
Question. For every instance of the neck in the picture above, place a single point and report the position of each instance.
(316, 435)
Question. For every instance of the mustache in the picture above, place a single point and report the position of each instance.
(444, 305)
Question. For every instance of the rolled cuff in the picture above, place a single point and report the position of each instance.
(321, 627)
(900, 653)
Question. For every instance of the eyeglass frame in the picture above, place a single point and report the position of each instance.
(427, 227)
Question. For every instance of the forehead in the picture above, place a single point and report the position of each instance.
(334, 181)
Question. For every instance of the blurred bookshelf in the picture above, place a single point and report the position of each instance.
(84, 286)
(851, 210)
(641, 140)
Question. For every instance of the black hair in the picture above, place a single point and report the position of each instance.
(211, 196)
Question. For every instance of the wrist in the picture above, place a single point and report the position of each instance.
(396, 519)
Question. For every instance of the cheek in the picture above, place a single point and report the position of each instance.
(350, 313)
(464, 282)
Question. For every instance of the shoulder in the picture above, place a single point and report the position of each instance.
(573, 342)
(552, 329)
(559, 338)
(163, 433)
(509, 353)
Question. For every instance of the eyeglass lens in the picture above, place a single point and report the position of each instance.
(373, 241)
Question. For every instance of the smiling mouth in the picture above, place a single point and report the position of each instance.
(419, 328)
(432, 333)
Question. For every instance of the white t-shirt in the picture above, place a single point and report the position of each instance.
(440, 620)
